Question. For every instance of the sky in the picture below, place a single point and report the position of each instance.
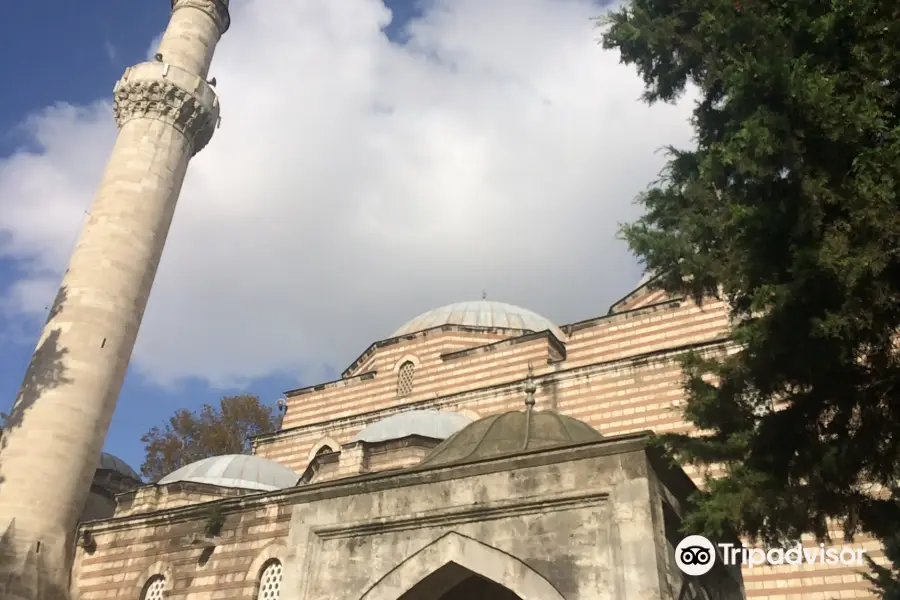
(374, 161)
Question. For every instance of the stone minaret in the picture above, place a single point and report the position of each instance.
(166, 113)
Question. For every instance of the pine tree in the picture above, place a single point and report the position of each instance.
(787, 209)
(886, 579)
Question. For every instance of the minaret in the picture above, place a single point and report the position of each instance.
(166, 113)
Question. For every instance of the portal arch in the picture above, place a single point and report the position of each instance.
(473, 556)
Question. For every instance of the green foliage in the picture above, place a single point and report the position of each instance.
(787, 209)
(191, 436)
(215, 519)
(885, 579)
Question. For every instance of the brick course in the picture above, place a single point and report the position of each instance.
(615, 372)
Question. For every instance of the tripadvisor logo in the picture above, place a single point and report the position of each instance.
(695, 555)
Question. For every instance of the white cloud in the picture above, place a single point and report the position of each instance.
(356, 183)
(111, 51)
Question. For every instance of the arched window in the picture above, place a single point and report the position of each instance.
(405, 379)
(153, 590)
(270, 581)
(324, 450)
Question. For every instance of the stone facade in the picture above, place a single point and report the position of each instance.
(616, 373)
(594, 521)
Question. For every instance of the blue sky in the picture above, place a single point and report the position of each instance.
(368, 169)
(73, 52)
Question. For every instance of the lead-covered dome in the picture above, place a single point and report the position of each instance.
(511, 433)
(108, 462)
(481, 313)
(434, 424)
(236, 471)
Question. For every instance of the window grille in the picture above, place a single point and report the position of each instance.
(405, 379)
(270, 582)
(154, 588)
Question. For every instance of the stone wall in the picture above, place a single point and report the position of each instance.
(580, 520)
(618, 375)
(100, 505)
(574, 524)
(152, 498)
(126, 553)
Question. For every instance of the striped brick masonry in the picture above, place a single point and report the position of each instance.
(166, 112)
(616, 372)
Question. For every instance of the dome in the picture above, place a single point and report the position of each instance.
(427, 423)
(480, 313)
(511, 433)
(108, 462)
(236, 471)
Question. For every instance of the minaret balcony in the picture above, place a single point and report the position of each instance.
(157, 90)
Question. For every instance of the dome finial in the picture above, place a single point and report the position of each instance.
(530, 388)
(483, 295)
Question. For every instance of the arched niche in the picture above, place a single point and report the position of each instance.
(328, 442)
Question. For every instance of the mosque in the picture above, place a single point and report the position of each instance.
(480, 451)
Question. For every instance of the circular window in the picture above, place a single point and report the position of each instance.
(154, 588)
(270, 582)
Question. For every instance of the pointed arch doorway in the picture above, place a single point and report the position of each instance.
(457, 567)
(455, 582)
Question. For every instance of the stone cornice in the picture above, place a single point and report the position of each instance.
(344, 381)
(216, 9)
(156, 90)
(373, 482)
(450, 400)
(177, 487)
(455, 515)
(556, 348)
(632, 294)
(425, 333)
(567, 329)
(621, 315)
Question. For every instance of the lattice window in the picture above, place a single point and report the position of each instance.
(405, 379)
(154, 588)
(270, 582)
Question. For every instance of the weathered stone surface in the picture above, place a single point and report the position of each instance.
(576, 523)
(53, 439)
(157, 90)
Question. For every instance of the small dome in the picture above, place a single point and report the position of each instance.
(236, 471)
(108, 462)
(434, 424)
(481, 313)
(511, 433)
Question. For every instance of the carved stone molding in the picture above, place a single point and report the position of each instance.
(216, 9)
(162, 92)
(456, 515)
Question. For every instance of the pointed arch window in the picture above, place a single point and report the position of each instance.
(153, 590)
(270, 581)
(405, 379)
